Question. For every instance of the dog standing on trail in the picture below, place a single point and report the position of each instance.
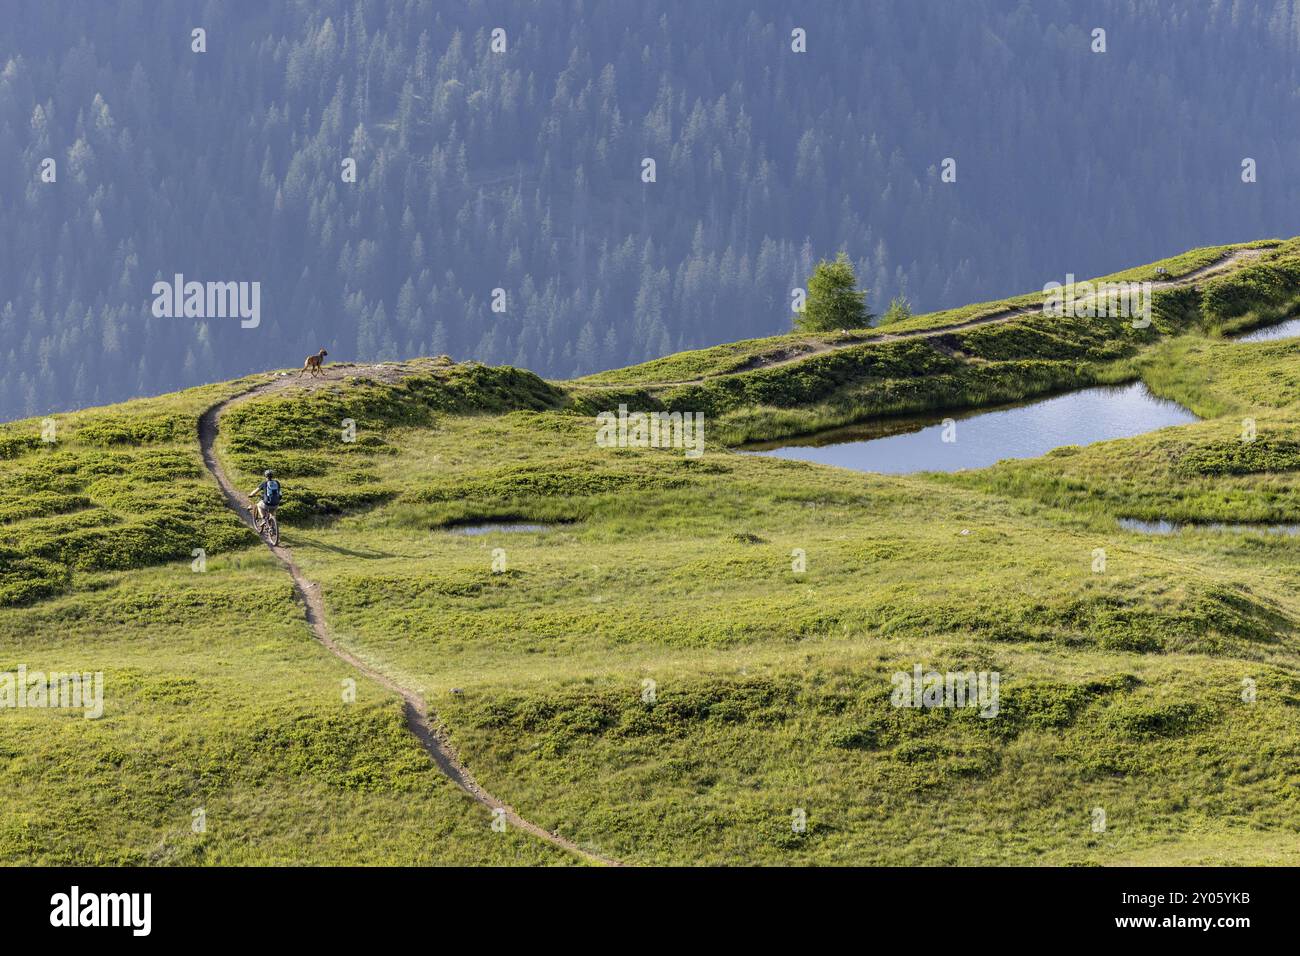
(313, 363)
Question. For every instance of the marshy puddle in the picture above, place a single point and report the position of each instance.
(1283, 330)
(1218, 527)
(900, 446)
(497, 526)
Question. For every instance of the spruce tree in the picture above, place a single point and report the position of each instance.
(833, 301)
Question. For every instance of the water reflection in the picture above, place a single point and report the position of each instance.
(1178, 527)
(1283, 330)
(900, 446)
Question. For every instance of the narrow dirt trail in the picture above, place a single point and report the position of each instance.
(413, 706)
(809, 349)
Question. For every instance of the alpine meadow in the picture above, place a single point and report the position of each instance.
(474, 466)
(624, 652)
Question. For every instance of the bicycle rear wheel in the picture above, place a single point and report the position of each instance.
(272, 530)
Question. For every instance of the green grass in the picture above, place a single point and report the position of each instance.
(216, 699)
(112, 488)
(734, 356)
(651, 674)
(1007, 361)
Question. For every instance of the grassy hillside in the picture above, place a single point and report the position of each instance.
(216, 699)
(649, 673)
(755, 392)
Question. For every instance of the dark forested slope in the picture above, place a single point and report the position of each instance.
(521, 170)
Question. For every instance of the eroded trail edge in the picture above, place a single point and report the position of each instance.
(417, 714)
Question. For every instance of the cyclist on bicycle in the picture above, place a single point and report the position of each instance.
(269, 489)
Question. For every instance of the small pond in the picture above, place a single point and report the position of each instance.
(1269, 333)
(1178, 527)
(899, 446)
(503, 527)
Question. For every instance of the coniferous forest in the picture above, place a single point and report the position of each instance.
(522, 169)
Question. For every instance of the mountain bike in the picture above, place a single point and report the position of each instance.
(266, 525)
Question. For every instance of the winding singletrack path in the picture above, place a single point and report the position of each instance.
(413, 706)
(417, 713)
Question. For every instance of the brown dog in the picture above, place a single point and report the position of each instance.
(313, 363)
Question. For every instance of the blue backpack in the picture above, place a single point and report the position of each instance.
(271, 494)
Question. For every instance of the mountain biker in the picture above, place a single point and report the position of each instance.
(269, 489)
